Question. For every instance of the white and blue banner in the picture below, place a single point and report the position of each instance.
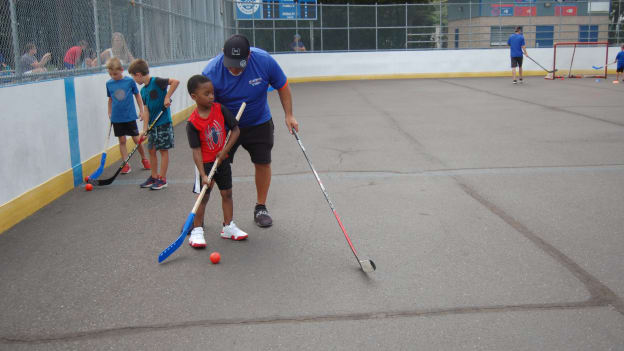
(276, 9)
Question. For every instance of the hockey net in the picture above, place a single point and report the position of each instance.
(580, 60)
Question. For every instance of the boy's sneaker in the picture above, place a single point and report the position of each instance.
(231, 231)
(520, 81)
(197, 238)
(126, 169)
(149, 182)
(262, 216)
(159, 184)
(515, 81)
(146, 164)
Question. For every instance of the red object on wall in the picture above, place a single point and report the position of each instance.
(525, 11)
(565, 11)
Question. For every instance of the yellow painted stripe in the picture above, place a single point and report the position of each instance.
(34, 199)
(31, 201)
(428, 75)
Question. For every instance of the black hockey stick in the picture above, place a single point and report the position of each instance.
(111, 179)
(547, 71)
(366, 265)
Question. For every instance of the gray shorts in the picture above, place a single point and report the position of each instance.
(161, 137)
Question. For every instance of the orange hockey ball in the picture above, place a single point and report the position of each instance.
(215, 257)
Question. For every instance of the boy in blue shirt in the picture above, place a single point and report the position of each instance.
(620, 63)
(242, 74)
(121, 112)
(155, 96)
(517, 47)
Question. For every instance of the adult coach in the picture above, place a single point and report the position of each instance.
(517, 47)
(242, 74)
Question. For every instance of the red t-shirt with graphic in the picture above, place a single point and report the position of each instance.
(210, 133)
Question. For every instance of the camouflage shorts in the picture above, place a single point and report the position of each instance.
(161, 137)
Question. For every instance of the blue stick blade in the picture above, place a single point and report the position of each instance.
(176, 244)
(98, 172)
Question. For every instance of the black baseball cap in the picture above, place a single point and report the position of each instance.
(236, 51)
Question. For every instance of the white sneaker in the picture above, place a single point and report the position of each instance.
(231, 231)
(197, 238)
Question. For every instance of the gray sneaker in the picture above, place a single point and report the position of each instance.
(262, 216)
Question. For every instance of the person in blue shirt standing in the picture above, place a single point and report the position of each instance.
(242, 74)
(517, 48)
(619, 58)
(121, 112)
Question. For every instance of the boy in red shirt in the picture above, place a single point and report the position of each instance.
(206, 130)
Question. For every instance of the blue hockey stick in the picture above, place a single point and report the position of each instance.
(189, 220)
(98, 172)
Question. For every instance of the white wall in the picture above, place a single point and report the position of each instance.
(425, 62)
(34, 136)
(34, 116)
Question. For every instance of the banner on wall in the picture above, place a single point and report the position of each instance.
(525, 11)
(565, 11)
(502, 10)
(276, 9)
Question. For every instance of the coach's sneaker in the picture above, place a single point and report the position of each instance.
(520, 81)
(160, 183)
(515, 81)
(146, 164)
(126, 169)
(231, 231)
(149, 182)
(197, 238)
(262, 216)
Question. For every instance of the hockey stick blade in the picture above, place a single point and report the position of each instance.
(368, 266)
(98, 171)
(176, 244)
(112, 179)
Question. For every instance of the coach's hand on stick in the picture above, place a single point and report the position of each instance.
(291, 123)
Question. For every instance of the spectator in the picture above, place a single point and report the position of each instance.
(29, 63)
(3, 64)
(297, 44)
(76, 56)
(118, 49)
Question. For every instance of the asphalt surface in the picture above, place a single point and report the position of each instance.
(493, 212)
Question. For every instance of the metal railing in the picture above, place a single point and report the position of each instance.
(57, 38)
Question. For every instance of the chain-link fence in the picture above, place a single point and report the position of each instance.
(55, 38)
(436, 25)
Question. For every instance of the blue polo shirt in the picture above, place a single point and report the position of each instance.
(122, 91)
(516, 42)
(250, 86)
(620, 58)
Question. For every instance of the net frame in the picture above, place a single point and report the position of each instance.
(569, 69)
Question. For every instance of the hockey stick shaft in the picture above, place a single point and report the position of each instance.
(111, 179)
(331, 205)
(189, 220)
(537, 63)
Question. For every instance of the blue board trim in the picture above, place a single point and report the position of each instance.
(72, 128)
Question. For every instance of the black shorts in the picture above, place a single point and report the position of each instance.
(620, 68)
(258, 141)
(516, 61)
(126, 128)
(222, 176)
